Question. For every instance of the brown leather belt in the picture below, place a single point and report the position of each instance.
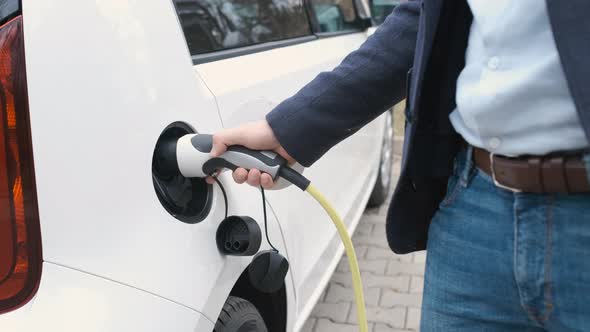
(555, 173)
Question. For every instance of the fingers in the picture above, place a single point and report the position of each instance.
(266, 181)
(257, 179)
(240, 175)
(254, 178)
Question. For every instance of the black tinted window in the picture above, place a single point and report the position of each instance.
(335, 15)
(213, 25)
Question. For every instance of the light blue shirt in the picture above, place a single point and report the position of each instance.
(512, 96)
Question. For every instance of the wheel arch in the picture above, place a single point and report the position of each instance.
(272, 307)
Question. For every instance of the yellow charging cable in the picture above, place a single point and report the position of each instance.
(350, 253)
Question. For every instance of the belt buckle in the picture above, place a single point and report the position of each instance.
(496, 182)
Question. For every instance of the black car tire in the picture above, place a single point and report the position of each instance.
(239, 315)
(383, 183)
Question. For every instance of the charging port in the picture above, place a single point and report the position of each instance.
(188, 200)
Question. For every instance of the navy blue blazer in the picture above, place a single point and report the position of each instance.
(418, 53)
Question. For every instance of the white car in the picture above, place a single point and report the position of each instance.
(92, 238)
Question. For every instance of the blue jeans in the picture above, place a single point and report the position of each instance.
(499, 261)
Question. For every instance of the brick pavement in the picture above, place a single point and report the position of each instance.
(393, 283)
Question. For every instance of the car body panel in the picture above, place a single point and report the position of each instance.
(100, 95)
(72, 301)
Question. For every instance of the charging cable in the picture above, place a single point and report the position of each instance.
(266, 220)
(350, 253)
(304, 184)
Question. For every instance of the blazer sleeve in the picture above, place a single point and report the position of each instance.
(336, 104)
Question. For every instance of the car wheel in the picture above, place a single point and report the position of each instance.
(383, 184)
(239, 315)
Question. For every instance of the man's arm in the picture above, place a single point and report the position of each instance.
(338, 103)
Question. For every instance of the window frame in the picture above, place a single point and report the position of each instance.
(229, 53)
(250, 49)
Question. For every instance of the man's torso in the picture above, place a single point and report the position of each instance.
(431, 141)
(512, 96)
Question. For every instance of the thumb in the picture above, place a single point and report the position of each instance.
(219, 146)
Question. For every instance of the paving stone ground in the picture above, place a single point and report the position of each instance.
(392, 283)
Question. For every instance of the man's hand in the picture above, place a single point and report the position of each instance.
(256, 136)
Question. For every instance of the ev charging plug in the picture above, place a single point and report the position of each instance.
(194, 160)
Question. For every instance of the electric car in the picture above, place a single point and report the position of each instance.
(93, 236)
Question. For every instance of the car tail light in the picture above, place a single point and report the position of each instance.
(20, 239)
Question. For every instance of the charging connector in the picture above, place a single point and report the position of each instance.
(294, 177)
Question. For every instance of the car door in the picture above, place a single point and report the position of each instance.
(254, 54)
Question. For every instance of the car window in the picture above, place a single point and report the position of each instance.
(335, 15)
(382, 8)
(214, 25)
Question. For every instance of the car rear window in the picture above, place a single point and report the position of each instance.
(215, 25)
